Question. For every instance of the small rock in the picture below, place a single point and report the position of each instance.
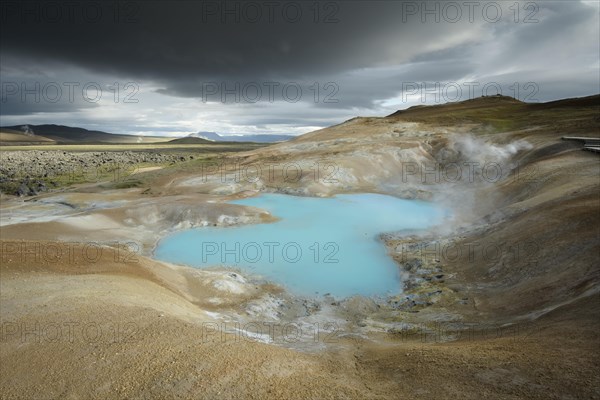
(23, 190)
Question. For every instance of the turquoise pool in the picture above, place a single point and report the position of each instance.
(319, 245)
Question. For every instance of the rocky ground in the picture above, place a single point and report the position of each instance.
(27, 173)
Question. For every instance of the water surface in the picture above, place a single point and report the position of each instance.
(319, 245)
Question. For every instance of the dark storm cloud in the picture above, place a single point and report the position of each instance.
(158, 38)
(14, 106)
(27, 90)
(177, 41)
(359, 54)
(358, 88)
(183, 42)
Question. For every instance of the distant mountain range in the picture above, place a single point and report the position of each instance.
(215, 137)
(52, 134)
(49, 134)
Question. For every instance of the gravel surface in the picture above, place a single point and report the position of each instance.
(25, 173)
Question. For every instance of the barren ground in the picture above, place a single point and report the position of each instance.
(86, 313)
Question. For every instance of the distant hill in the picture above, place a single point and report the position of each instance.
(18, 138)
(68, 135)
(490, 105)
(60, 134)
(191, 140)
(242, 138)
(489, 114)
(500, 113)
(485, 102)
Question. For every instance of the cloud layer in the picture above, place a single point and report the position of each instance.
(282, 67)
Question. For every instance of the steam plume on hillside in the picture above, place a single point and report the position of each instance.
(469, 164)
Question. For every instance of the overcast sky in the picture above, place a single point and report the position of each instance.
(176, 67)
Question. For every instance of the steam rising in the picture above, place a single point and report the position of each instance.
(483, 166)
(478, 150)
(26, 129)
